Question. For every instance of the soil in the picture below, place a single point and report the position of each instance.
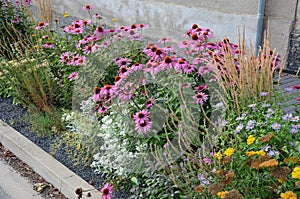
(25, 171)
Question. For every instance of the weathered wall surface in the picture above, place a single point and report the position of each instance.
(173, 18)
(293, 59)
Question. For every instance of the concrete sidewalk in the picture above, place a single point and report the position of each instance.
(13, 186)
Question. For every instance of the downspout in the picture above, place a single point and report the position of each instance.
(259, 24)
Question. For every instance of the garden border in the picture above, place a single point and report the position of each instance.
(44, 164)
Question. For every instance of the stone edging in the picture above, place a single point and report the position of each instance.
(44, 164)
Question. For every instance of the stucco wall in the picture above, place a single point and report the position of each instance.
(173, 18)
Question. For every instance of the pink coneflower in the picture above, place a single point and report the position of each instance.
(123, 71)
(122, 61)
(296, 87)
(77, 60)
(107, 90)
(204, 70)
(41, 25)
(103, 109)
(45, 37)
(96, 96)
(184, 44)
(200, 98)
(168, 62)
(73, 76)
(99, 31)
(107, 191)
(141, 116)
(65, 57)
(164, 40)
(97, 16)
(48, 45)
(150, 102)
(137, 67)
(188, 69)
(143, 127)
(88, 7)
(88, 49)
(143, 26)
(17, 20)
(77, 31)
(68, 28)
(181, 63)
(158, 54)
(27, 2)
(85, 22)
(96, 48)
(200, 88)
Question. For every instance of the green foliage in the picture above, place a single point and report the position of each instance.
(154, 186)
(15, 24)
(45, 124)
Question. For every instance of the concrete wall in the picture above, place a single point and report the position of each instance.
(281, 16)
(173, 18)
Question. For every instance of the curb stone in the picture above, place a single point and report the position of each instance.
(44, 164)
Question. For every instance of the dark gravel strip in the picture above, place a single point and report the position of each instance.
(11, 114)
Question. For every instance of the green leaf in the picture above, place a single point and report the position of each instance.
(134, 180)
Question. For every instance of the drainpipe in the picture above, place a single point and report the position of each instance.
(259, 24)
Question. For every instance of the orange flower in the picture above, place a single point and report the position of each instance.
(269, 163)
(199, 188)
(267, 137)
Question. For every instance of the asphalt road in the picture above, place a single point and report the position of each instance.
(13, 186)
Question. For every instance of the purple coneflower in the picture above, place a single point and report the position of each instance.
(188, 69)
(97, 16)
(65, 57)
(88, 7)
(143, 127)
(200, 87)
(48, 45)
(200, 98)
(27, 2)
(141, 116)
(150, 102)
(296, 87)
(204, 70)
(107, 191)
(99, 31)
(73, 76)
(41, 25)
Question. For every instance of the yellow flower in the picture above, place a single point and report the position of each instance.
(252, 153)
(229, 152)
(114, 19)
(250, 139)
(261, 153)
(288, 195)
(218, 156)
(296, 173)
(66, 14)
(222, 194)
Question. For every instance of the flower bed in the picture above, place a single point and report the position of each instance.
(197, 119)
